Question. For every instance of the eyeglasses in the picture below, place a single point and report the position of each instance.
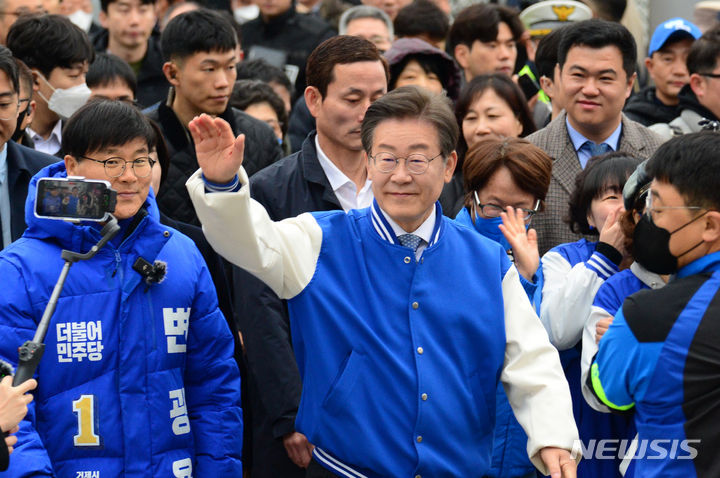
(710, 75)
(115, 167)
(493, 210)
(650, 209)
(415, 163)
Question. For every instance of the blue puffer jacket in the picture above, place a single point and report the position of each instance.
(136, 380)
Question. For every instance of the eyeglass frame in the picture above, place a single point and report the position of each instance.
(17, 111)
(25, 11)
(649, 207)
(529, 213)
(151, 161)
(398, 158)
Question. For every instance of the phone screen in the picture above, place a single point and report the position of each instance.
(71, 199)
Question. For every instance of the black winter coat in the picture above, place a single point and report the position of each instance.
(295, 34)
(645, 108)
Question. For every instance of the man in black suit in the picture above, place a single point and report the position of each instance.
(18, 164)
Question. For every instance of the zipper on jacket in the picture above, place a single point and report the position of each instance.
(118, 261)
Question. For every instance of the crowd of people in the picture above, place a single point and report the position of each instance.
(397, 238)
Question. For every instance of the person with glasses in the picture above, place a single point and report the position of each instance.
(699, 101)
(138, 375)
(11, 10)
(506, 180)
(18, 163)
(659, 357)
(403, 321)
(569, 277)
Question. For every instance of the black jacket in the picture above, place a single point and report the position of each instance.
(295, 34)
(261, 149)
(274, 379)
(22, 164)
(645, 108)
(152, 86)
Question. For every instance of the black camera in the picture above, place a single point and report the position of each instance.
(74, 199)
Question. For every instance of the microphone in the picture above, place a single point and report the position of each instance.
(153, 273)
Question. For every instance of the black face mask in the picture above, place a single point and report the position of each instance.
(18, 129)
(651, 245)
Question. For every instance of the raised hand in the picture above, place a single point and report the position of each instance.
(523, 242)
(14, 402)
(601, 327)
(218, 152)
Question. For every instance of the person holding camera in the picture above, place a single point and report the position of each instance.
(138, 376)
(13, 408)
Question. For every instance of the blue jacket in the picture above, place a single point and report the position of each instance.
(509, 457)
(595, 268)
(136, 380)
(659, 358)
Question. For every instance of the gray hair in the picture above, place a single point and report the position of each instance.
(365, 11)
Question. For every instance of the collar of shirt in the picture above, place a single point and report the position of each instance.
(52, 144)
(578, 140)
(342, 186)
(3, 165)
(429, 230)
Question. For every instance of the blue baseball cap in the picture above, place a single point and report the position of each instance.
(673, 28)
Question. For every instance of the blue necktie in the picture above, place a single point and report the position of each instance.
(410, 240)
(597, 149)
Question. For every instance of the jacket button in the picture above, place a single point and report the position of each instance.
(415, 305)
(166, 233)
(424, 396)
(420, 350)
(407, 260)
(419, 439)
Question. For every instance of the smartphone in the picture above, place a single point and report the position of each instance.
(528, 86)
(74, 199)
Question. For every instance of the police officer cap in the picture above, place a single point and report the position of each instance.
(544, 17)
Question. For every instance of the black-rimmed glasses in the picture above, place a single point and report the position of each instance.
(115, 167)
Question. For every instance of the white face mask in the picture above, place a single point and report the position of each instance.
(246, 13)
(82, 19)
(65, 102)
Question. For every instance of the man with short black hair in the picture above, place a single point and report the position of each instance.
(423, 19)
(58, 53)
(129, 33)
(111, 77)
(596, 64)
(18, 164)
(138, 376)
(484, 39)
(699, 101)
(200, 58)
(667, 66)
(384, 305)
(659, 357)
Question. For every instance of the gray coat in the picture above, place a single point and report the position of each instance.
(636, 140)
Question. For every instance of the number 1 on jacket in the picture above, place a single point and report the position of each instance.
(85, 409)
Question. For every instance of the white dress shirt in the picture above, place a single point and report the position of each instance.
(344, 189)
(52, 144)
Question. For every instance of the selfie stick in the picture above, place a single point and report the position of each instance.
(31, 351)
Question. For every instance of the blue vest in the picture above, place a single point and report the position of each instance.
(400, 358)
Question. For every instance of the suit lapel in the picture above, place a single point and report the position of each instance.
(566, 165)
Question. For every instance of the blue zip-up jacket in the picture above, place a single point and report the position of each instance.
(660, 357)
(137, 380)
(570, 276)
(509, 458)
